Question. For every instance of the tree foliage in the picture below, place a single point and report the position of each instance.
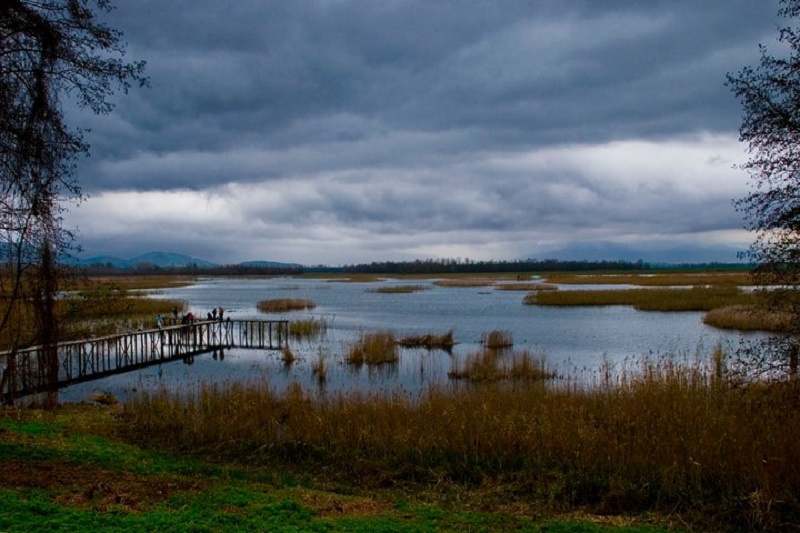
(770, 96)
(51, 52)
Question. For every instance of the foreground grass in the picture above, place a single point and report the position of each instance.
(664, 440)
(67, 472)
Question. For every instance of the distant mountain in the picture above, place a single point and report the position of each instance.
(159, 259)
(657, 253)
(169, 259)
(164, 260)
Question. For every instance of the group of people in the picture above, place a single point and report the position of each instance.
(215, 314)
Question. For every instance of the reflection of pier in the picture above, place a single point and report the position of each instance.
(24, 371)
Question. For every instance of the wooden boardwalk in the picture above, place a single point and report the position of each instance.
(24, 372)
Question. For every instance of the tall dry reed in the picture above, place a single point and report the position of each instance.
(374, 348)
(664, 438)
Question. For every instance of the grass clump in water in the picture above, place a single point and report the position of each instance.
(280, 305)
(308, 328)
(658, 299)
(492, 365)
(375, 348)
(399, 289)
(429, 341)
(749, 318)
(497, 339)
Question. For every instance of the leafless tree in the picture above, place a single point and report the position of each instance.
(770, 98)
(50, 50)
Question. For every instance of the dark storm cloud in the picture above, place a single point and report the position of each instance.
(388, 118)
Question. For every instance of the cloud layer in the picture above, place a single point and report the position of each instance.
(341, 131)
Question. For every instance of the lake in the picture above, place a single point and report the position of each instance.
(576, 341)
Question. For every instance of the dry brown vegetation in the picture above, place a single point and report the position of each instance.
(308, 328)
(494, 365)
(399, 289)
(659, 279)
(664, 439)
(282, 305)
(374, 348)
(655, 299)
(749, 318)
(496, 339)
(429, 341)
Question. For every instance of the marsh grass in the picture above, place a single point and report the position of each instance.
(308, 328)
(88, 314)
(661, 438)
(399, 289)
(319, 368)
(282, 305)
(429, 341)
(287, 356)
(494, 365)
(497, 339)
(661, 280)
(656, 299)
(374, 348)
(749, 318)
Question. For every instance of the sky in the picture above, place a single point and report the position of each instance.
(349, 131)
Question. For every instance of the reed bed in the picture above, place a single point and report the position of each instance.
(319, 368)
(429, 341)
(663, 438)
(657, 299)
(527, 287)
(282, 305)
(287, 356)
(374, 348)
(497, 339)
(659, 280)
(493, 365)
(308, 328)
(399, 289)
(749, 318)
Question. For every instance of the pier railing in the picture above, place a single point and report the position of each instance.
(24, 371)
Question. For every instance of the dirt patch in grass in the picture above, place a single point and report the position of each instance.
(328, 505)
(91, 488)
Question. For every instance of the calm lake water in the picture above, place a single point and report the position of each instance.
(574, 341)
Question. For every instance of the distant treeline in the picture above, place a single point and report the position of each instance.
(455, 266)
(429, 266)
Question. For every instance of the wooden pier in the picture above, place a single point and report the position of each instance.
(24, 372)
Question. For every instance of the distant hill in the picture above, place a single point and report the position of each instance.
(164, 260)
(270, 264)
(159, 259)
(169, 259)
(657, 253)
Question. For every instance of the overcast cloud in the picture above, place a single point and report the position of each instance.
(344, 131)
